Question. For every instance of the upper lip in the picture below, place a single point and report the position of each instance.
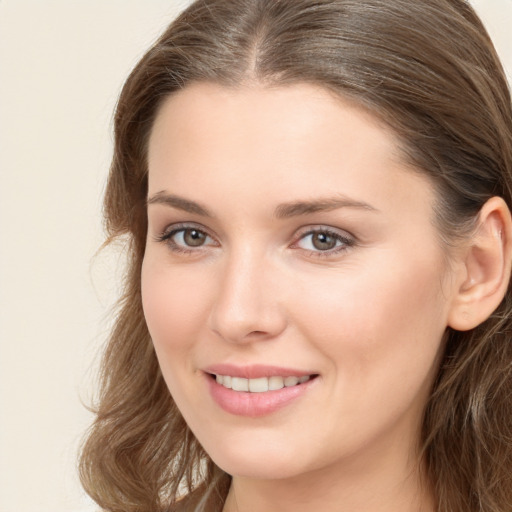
(255, 371)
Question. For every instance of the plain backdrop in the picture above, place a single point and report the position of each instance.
(62, 64)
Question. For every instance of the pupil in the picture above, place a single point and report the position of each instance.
(194, 238)
(323, 241)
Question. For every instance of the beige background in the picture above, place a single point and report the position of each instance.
(62, 63)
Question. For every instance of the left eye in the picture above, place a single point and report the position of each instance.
(323, 241)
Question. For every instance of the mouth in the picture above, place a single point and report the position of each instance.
(249, 393)
(261, 384)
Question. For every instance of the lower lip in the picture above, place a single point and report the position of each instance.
(242, 403)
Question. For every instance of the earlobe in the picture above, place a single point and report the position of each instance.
(486, 267)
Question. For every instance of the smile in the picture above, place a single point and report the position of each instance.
(249, 393)
(260, 385)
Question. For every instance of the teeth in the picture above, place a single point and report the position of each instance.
(275, 383)
(261, 384)
(291, 381)
(240, 384)
(258, 385)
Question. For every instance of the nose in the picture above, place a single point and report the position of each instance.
(246, 307)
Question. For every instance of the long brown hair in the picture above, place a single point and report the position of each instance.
(426, 68)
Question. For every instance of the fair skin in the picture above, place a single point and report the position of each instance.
(354, 292)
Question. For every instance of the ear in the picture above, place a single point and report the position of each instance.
(486, 267)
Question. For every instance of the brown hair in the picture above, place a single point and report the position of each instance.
(426, 68)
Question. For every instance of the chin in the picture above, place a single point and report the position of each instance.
(261, 459)
(257, 467)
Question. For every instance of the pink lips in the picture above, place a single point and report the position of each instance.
(254, 404)
(254, 371)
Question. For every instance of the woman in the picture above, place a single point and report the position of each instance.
(317, 316)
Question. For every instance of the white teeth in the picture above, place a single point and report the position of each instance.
(261, 384)
(239, 384)
(275, 383)
(291, 381)
(258, 385)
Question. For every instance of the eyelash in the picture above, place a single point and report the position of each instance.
(346, 241)
(167, 238)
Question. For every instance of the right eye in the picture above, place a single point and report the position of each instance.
(186, 239)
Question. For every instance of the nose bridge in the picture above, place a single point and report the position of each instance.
(245, 307)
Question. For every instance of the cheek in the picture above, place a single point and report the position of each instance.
(377, 324)
(174, 305)
(379, 334)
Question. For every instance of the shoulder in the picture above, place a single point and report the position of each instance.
(199, 500)
(185, 504)
(182, 505)
(191, 502)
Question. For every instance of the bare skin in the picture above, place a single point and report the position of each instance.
(285, 230)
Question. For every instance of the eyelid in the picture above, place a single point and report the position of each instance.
(348, 240)
(166, 235)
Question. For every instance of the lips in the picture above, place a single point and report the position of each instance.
(256, 390)
(256, 371)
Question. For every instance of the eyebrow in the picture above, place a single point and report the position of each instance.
(178, 202)
(282, 211)
(297, 208)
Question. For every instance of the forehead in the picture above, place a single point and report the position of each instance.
(267, 143)
(207, 111)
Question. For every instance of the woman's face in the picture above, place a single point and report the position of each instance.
(288, 239)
